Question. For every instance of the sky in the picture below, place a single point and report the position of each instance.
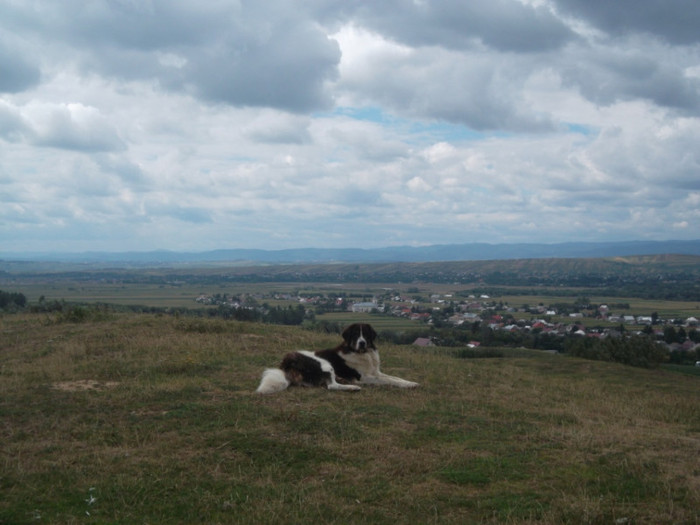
(135, 125)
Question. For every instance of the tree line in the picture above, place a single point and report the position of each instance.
(12, 300)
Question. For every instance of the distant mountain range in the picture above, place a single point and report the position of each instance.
(434, 253)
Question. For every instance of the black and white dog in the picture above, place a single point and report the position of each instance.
(355, 360)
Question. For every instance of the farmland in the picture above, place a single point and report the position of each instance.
(656, 283)
(448, 303)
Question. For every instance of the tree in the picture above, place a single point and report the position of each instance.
(670, 335)
(12, 300)
(583, 302)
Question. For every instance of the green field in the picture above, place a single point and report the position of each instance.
(152, 419)
(380, 322)
(158, 295)
(183, 295)
(168, 295)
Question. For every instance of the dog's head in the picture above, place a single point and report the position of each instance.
(360, 337)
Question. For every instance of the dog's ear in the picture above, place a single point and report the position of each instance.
(369, 333)
(349, 333)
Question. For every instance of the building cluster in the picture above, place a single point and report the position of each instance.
(481, 311)
(597, 322)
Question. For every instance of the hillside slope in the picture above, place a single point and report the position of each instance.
(139, 418)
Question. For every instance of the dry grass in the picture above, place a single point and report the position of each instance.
(142, 419)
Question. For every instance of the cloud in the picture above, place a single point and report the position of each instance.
(12, 125)
(17, 72)
(238, 53)
(180, 212)
(640, 70)
(475, 89)
(74, 127)
(197, 125)
(502, 25)
(286, 66)
(677, 24)
(279, 128)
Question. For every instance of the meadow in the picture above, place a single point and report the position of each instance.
(139, 418)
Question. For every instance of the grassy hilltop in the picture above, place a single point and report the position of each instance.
(153, 419)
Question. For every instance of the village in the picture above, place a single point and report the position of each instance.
(477, 313)
(482, 311)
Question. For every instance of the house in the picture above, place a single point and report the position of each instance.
(423, 341)
(404, 312)
(364, 307)
(687, 345)
(456, 319)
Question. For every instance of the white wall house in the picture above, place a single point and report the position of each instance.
(364, 307)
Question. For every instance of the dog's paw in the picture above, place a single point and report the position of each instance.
(347, 388)
(411, 384)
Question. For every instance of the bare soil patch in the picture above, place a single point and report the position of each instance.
(82, 385)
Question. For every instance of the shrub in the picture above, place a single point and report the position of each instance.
(12, 300)
(81, 313)
(635, 350)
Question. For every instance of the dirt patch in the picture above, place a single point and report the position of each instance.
(148, 413)
(82, 385)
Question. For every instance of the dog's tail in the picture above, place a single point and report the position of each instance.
(273, 380)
